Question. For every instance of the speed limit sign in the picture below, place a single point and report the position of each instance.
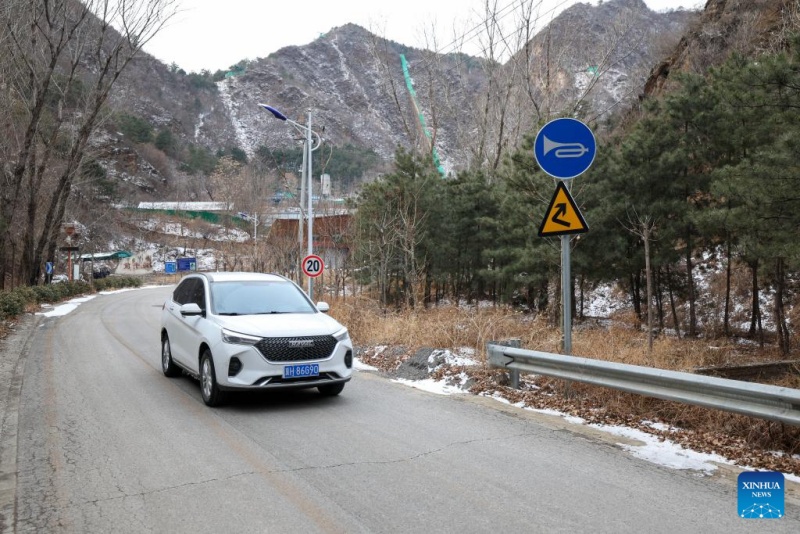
(313, 266)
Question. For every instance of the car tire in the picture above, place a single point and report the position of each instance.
(212, 394)
(168, 366)
(331, 390)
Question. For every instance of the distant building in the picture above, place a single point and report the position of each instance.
(186, 206)
(331, 235)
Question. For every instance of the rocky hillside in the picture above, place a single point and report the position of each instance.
(725, 27)
(170, 99)
(592, 59)
(353, 82)
(598, 57)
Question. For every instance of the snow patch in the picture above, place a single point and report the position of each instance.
(358, 365)
(243, 139)
(440, 387)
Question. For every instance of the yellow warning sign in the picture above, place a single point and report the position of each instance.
(563, 216)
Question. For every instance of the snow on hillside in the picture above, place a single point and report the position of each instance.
(244, 135)
(218, 233)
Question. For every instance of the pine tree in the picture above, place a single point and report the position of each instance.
(758, 182)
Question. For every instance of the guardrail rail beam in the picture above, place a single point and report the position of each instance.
(756, 400)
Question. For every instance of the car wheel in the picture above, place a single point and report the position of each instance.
(212, 394)
(168, 366)
(331, 390)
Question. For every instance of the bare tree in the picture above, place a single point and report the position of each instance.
(643, 226)
(377, 247)
(537, 70)
(63, 58)
(245, 189)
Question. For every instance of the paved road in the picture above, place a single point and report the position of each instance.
(105, 443)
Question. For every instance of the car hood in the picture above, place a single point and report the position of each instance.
(282, 325)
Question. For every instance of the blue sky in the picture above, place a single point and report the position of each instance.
(215, 34)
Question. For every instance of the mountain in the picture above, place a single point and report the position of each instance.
(351, 79)
(590, 60)
(725, 27)
(601, 54)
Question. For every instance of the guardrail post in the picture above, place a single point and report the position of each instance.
(513, 373)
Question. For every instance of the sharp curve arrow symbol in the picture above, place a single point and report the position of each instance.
(561, 210)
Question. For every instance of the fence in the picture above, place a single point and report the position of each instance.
(756, 400)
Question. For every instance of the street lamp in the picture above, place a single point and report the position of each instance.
(308, 148)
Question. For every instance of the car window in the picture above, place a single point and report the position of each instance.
(198, 294)
(182, 292)
(258, 297)
(190, 290)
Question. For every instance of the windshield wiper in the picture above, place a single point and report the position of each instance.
(229, 313)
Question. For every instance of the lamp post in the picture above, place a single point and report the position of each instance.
(255, 241)
(308, 148)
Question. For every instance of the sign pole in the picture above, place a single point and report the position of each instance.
(310, 205)
(564, 148)
(566, 294)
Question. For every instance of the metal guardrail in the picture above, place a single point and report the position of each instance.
(756, 400)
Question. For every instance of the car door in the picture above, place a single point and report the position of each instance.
(173, 319)
(185, 335)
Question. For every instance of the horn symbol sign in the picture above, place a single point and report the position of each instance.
(569, 157)
(564, 150)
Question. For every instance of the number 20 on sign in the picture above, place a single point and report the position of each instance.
(313, 265)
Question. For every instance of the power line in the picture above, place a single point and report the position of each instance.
(501, 14)
(467, 37)
(477, 29)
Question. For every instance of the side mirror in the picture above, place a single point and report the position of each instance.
(191, 310)
(323, 307)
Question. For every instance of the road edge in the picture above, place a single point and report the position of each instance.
(725, 474)
(13, 355)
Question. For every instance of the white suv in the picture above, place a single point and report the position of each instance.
(240, 331)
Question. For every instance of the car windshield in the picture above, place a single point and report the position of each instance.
(256, 297)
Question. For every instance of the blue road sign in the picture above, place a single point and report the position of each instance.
(48, 267)
(187, 264)
(170, 267)
(564, 148)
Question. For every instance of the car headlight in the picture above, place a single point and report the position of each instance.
(241, 339)
(342, 335)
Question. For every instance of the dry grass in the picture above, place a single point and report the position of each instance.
(746, 440)
(452, 327)
(440, 327)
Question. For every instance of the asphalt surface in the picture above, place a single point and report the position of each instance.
(96, 439)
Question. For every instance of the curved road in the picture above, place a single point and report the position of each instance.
(106, 443)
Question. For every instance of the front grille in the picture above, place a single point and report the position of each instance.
(296, 349)
(272, 380)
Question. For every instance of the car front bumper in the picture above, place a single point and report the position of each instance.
(258, 373)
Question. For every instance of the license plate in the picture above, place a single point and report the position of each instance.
(301, 371)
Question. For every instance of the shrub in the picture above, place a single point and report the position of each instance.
(78, 288)
(198, 160)
(135, 128)
(14, 302)
(11, 304)
(158, 159)
(202, 80)
(117, 282)
(165, 142)
(27, 294)
(45, 293)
